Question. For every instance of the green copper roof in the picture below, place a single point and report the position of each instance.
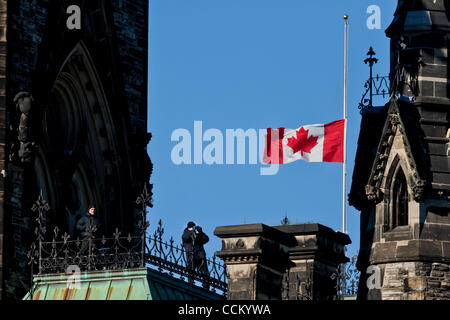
(129, 284)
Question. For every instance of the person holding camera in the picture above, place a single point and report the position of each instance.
(193, 240)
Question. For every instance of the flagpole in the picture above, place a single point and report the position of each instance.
(344, 165)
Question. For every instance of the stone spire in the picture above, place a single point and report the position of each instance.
(404, 150)
(419, 16)
(419, 42)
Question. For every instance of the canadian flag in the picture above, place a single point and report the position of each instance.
(312, 143)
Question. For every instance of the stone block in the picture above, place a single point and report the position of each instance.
(440, 177)
(440, 267)
(430, 249)
(383, 251)
(435, 71)
(434, 130)
(389, 294)
(408, 251)
(399, 234)
(240, 284)
(416, 296)
(426, 88)
(240, 295)
(435, 231)
(437, 149)
(437, 274)
(441, 89)
(415, 284)
(433, 284)
(446, 249)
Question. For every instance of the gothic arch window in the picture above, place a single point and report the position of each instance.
(399, 200)
(79, 143)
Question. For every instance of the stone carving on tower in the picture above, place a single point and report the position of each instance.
(22, 143)
(401, 179)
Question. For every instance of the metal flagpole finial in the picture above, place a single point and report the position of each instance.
(346, 17)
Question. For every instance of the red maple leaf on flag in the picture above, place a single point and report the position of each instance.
(301, 143)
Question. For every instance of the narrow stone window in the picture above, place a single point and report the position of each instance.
(400, 197)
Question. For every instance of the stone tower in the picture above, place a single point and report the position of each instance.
(401, 180)
(73, 120)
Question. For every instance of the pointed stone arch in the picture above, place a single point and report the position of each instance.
(397, 193)
(79, 139)
(394, 131)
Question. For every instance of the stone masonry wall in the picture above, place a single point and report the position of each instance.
(415, 281)
(3, 126)
(129, 17)
(27, 20)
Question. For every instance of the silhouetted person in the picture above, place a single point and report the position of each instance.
(193, 240)
(82, 225)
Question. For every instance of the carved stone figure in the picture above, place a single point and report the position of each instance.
(373, 193)
(24, 104)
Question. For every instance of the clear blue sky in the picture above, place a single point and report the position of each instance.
(255, 64)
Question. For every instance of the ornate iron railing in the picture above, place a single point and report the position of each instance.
(57, 253)
(90, 254)
(302, 287)
(347, 279)
(375, 86)
(404, 78)
(166, 256)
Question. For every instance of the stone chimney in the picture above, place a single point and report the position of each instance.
(317, 255)
(257, 257)
(269, 262)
